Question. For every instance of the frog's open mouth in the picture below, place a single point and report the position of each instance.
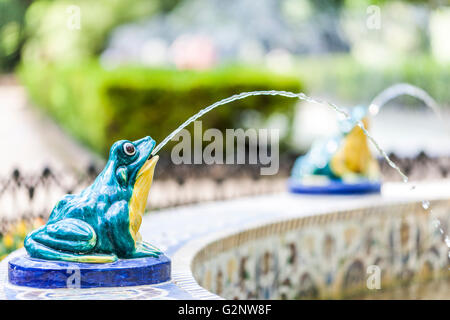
(149, 166)
(147, 161)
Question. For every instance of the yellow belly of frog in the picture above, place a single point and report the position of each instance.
(354, 156)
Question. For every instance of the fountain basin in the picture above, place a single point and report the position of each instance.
(328, 256)
(203, 239)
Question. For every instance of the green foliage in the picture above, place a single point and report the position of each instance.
(342, 77)
(39, 30)
(11, 32)
(100, 106)
(15, 235)
(53, 33)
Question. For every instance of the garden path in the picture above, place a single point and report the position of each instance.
(29, 140)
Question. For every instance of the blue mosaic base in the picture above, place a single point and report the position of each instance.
(335, 187)
(45, 274)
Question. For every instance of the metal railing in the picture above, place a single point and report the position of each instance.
(25, 195)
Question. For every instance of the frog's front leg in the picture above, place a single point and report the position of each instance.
(145, 249)
(120, 234)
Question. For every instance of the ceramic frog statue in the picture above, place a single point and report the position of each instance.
(101, 224)
(345, 157)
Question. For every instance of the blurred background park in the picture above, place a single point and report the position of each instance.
(78, 75)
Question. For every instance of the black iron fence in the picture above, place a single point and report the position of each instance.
(33, 194)
(24, 189)
(26, 199)
(418, 168)
(28, 187)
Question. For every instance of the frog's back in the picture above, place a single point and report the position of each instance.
(73, 206)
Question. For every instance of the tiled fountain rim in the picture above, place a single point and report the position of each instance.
(283, 225)
(185, 257)
(231, 242)
(184, 231)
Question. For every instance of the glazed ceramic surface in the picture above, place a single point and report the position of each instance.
(37, 273)
(329, 256)
(101, 224)
(345, 158)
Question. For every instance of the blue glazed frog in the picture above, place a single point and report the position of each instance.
(101, 224)
(344, 157)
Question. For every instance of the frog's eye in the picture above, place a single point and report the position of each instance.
(129, 149)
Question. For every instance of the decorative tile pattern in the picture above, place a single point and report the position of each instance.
(327, 255)
(271, 244)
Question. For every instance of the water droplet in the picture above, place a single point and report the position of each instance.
(437, 223)
(426, 204)
(447, 241)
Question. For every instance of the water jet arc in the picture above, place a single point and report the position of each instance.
(401, 89)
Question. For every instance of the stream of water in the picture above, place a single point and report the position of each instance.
(385, 96)
(288, 94)
(401, 89)
(393, 92)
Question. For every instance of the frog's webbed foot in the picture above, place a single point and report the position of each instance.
(145, 249)
(67, 239)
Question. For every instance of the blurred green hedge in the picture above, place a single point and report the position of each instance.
(100, 106)
(12, 35)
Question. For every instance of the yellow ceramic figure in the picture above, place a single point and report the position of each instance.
(354, 158)
(341, 164)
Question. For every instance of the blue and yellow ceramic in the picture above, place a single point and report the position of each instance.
(339, 163)
(101, 224)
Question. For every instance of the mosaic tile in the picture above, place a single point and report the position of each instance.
(313, 244)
